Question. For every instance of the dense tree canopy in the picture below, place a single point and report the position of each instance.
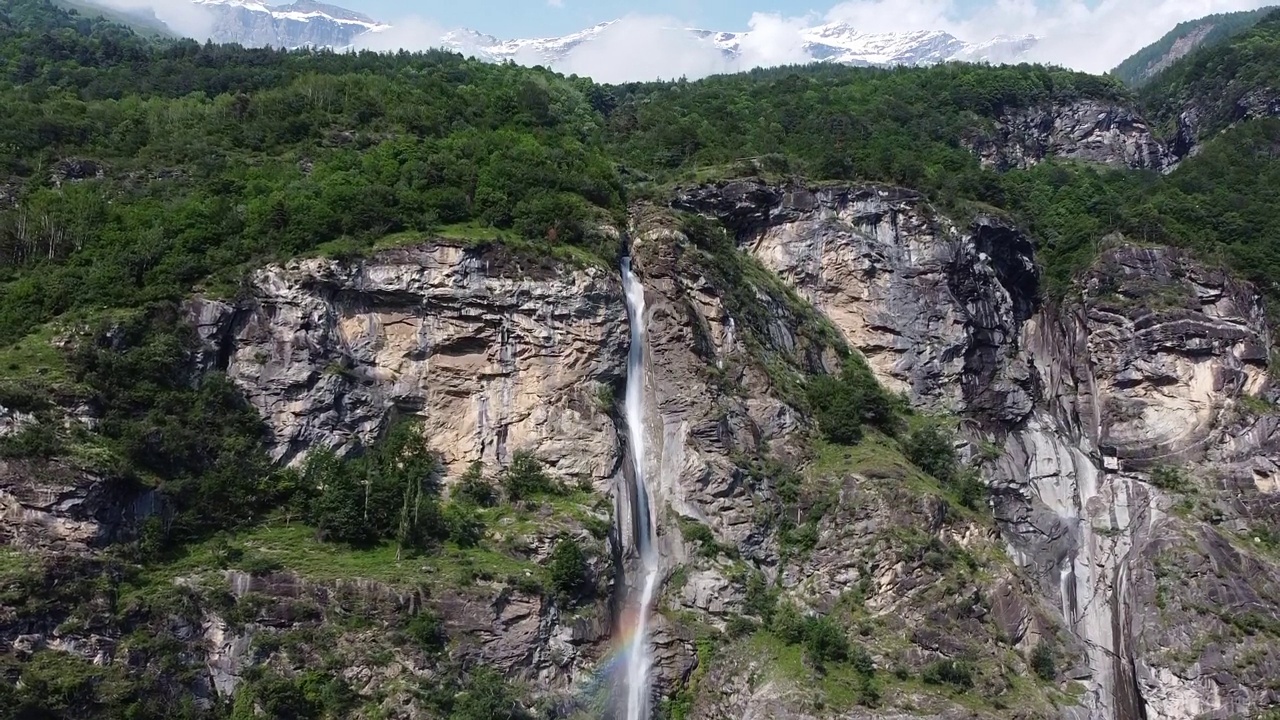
(1219, 81)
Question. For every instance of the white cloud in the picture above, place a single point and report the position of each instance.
(643, 47)
(1092, 35)
(409, 33)
(1087, 35)
(1082, 35)
(184, 18)
(773, 40)
(646, 47)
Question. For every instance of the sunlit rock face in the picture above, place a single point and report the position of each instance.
(494, 353)
(1148, 374)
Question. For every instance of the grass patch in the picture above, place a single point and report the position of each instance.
(34, 361)
(549, 515)
(16, 562)
(878, 457)
(839, 688)
(468, 235)
(294, 547)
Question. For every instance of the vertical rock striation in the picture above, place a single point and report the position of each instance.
(495, 352)
(1095, 404)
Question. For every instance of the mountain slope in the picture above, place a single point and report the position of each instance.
(142, 22)
(312, 390)
(1216, 87)
(1208, 31)
(303, 23)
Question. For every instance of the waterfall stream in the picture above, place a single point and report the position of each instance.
(637, 658)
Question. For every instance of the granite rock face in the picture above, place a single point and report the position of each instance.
(56, 507)
(1126, 434)
(1088, 130)
(1133, 438)
(494, 353)
(934, 308)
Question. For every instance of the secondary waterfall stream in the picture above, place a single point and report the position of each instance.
(637, 660)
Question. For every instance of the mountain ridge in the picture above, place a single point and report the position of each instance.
(307, 23)
(830, 42)
(1186, 37)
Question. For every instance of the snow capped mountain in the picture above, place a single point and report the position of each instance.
(302, 24)
(306, 23)
(834, 42)
(544, 51)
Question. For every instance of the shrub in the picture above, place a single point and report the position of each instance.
(824, 641)
(567, 569)
(700, 536)
(969, 489)
(740, 626)
(33, 441)
(788, 625)
(802, 537)
(474, 488)
(486, 696)
(823, 638)
(954, 673)
(932, 450)
(1042, 662)
(1168, 478)
(843, 404)
(760, 600)
(427, 631)
(861, 661)
(463, 524)
(526, 477)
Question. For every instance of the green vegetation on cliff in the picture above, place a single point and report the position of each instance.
(1222, 83)
(1205, 32)
(134, 172)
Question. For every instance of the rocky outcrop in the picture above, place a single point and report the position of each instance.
(934, 308)
(1125, 434)
(56, 507)
(1093, 131)
(497, 352)
(1140, 378)
(1200, 118)
(713, 399)
(1128, 433)
(494, 352)
(303, 23)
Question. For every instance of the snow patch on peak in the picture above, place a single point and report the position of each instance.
(836, 42)
(302, 11)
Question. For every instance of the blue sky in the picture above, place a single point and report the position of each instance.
(527, 18)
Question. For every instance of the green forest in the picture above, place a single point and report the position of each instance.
(135, 171)
(1208, 31)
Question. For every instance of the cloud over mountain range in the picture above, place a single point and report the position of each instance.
(1090, 36)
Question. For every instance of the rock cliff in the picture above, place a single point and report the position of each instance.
(1108, 133)
(495, 352)
(1129, 424)
(1125, 437)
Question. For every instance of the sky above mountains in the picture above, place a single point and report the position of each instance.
(1091, 35)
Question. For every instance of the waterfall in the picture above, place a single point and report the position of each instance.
(637, 659)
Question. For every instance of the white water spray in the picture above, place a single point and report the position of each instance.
(638, 660)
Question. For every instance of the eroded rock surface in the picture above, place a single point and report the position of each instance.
(494, 352)
(54, 506)
(1127, 420)
(1089, 130)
